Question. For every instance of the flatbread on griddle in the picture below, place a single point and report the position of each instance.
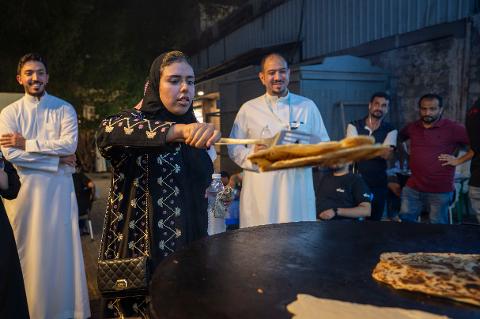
(310, 307)
(448, 275)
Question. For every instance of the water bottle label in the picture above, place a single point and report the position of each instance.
(222, 201)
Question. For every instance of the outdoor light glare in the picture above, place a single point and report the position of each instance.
(200, 93)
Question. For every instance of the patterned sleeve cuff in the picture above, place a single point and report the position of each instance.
(132, 130)
(164, 131)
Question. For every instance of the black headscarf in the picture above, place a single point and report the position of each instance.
(197, 165)
(152, 104)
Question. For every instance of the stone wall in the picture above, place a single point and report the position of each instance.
(429, 67)
(474, 67)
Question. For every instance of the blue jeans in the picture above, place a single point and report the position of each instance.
(474, 194)
(414, 202)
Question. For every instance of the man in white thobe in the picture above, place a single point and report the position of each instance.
(280, 196)
(38, 134)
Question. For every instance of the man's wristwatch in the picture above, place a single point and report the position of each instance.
(335, 211)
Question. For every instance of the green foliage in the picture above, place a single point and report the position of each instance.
(105, 45)
(98, 51)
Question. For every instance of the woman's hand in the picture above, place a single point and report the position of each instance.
(199, 135)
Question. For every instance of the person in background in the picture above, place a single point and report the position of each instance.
(374, 170)
(225, 177)
(393, 199)
(235, 183)
(279, 196)
(342, 195)
(38, 135)
(397, 173)
(85, 192)
(473, 130)
(13, 301)
(433, 141)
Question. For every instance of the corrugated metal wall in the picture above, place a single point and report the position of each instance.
(332, 25)
(274, 27)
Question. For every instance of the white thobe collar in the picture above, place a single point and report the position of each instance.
(273, 99)
(33, 99)
(272, 104)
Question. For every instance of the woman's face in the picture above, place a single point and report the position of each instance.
(177, 87)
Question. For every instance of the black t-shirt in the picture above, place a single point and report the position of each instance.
(374, 170)
(473, 129)
(345, 191)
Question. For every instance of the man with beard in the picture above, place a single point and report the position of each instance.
(433, 140)
(279, 196)
(342, 195)
(373, 171)
(38, 135)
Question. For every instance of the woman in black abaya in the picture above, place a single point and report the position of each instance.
(13, 301)
(161, 170)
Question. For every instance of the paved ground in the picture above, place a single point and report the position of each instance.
(90, 248)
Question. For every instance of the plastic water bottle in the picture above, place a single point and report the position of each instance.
(215, 224)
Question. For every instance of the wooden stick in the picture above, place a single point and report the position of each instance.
(243, 141)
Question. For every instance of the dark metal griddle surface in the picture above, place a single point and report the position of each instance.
(255, 272)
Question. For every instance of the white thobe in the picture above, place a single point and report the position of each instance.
(44, 216)
(280, 196)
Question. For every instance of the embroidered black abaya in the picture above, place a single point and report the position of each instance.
(13, 301)
(157, 195)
